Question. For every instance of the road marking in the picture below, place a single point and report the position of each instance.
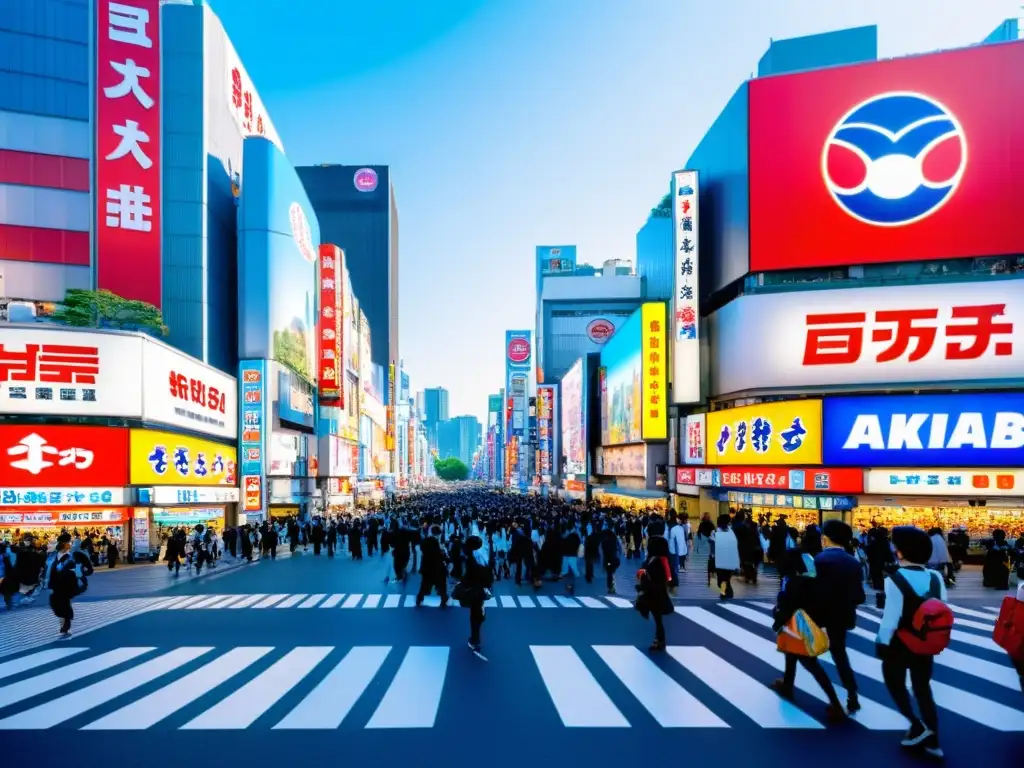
(82, 700)
(491, 603)
(188, 602)
(432, 601)
(525, 601)
(372, 601)
(410, 601)
(205, 603)
(391, 601)
(38, 659)
(332, 601)
(592, 602)
(968, 638)
(226, 602)
(311, 601)
(413, 698)
(763, 706)
(243, 707)
(150, 710)
(352, 601)
(578, 698)
(566, 602)
(248, 601)
(972, 612)
(507, 601)
(619, 602)
(291, 601)
(327, 705)
(671, 705)
(48, 681)
(267, 602)
(545, 602)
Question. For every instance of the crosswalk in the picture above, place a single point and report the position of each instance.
(714, 675)
(324, 601)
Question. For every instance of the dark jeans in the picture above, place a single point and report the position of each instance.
(659, 628)
(897, 662)
(609, 576)
(724, 577)
(174, 565)
(439, 582)
(476, 620)
(837, 647)
(812, 665)
(61, 606)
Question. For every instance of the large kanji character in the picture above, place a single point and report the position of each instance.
(835, 338)
(905, 331)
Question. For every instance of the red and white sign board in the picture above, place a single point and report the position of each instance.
(97, 517)
(128, 231)
(329, 349)
(34, 455)
(874, 337)
(843, 480)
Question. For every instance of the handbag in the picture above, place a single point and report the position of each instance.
(801, 636)
(465, 593)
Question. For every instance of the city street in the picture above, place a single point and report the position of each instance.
(325, 647)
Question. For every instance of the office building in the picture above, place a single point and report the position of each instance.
(435, 411)
(459, 438)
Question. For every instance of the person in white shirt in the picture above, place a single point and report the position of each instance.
(677, 548)
(727, 557)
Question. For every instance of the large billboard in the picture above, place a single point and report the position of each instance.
(654, 370)
(899, 160)
(870, 337)
(518, 363)
(622, 388)
(975, 429)
(547, 408)
(685, 308)
(277, 263)
(779, 434)
(128, 169)
(330, 333)
(573, 420)
(163, 458)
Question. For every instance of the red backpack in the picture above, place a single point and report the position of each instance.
(1009, 630)
(926, 622)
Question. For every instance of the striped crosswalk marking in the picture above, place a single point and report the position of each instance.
(351, 601)
(971, 612)
(270, 601)
(545, 602)
(591, 602)
(250, 600)
(40, 659)
(311, 601)
(205, 603)
(957, 636)
(372, 601)
(507, 601)
(579, 699)
(331, 601)
(291, 601)
(566, 602)
(410, 601)
(619, 602)
(189, 602)
(392, 601)
(412, 700)
(525, 601)
(227, 601)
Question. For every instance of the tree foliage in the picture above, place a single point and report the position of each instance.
(105, 309)
(451, 469)
(663, 210)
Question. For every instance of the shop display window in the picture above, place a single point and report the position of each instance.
(979, 521)
(795, 518)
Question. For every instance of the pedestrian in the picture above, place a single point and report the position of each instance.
(67, 577)
(433, 568)
(653, 581)
(475, 589)
(727, 557)
(8, 574)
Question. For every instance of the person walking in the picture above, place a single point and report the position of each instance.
(653, 584)
(67, 575)
(474, 589)
(433, 568)
(727, 557)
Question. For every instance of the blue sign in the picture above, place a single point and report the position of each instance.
(252, 378)
(295, 400)
(984, 429)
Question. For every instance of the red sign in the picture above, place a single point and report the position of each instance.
(63, 456)
(252, 487)
(600, 330)
(845, 480)
(331, 316)
(128, 233)
(899, 160)
(519, 350)
(51, 364)
(197, 392)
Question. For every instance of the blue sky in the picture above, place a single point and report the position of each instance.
(516, 123)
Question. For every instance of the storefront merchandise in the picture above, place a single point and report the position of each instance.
(943, 513)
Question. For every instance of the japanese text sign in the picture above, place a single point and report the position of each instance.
(254, 429)
(546, 404)
(786, 434)
(843, 480)
(330, 325)
(654, 362)
(977, 429)
(184, 392)
(41, 498)
(694, 438)
(871, 336)
(55, 456)
(686, 373)
(943, 482)
(128, 236)
(162, 458)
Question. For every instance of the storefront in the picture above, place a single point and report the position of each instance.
(800, 510)
(630, 499)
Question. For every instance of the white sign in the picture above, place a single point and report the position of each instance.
(873, 337)
(243, 101)
(694, 438)
(140, 534)
(61, 497)
(686, 373)
(172, 495)
(977, 483)
(184, 392)
(374, 409)
(55, 372)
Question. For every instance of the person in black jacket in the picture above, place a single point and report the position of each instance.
(475, 588)
(433, 569)
(653, 598)
(839, 590)
(66, 574)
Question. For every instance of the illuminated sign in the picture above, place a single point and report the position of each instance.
(654, 367)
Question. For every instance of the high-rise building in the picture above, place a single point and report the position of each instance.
(355, 205)
(459, 438)
(435, 411)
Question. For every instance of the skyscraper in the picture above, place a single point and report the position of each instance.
(459, 438)
(435, 407)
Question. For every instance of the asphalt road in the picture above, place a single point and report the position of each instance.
(184, 677)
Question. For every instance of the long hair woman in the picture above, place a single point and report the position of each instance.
(474, 589)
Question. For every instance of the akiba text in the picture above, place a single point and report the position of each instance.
(936, 431)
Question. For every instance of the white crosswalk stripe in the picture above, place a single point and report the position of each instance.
(376, 601)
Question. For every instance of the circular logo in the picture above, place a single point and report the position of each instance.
(518, 350)
(301, 232)
(600, 330)
(365, 179)
(894, 159)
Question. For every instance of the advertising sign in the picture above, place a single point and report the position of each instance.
(278, 239)
(870, 336)
(183, 392)
(518, 363)
(365, 180)
(625, 460)
(703, 477)
(944, 482)
(59, 455)
(163, 458)
(295, 399)
(574, 430)
(623, 384)
(654, 371)
(252, 446)
(686, 290)
(391, 411)
(556, 259)
(366, 373)
(140, 534)
(783, 479)
(42, 498)
(694, 438)
(784, 434)
(889, 161)
(600, 330)
(332, 315)
(546, 405)
(983, 429)
(128, 98)
(244, 102)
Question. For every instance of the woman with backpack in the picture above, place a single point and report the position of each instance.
(653, 581)
(914, 597)
(67, 575)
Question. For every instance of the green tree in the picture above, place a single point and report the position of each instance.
(451, 469)
(105, 309)
(663, 210)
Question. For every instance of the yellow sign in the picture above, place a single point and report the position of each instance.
(163, 458)
(771, 434)
(654, 359)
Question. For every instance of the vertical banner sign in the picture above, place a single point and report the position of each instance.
(391, 413)
(545, 431)
(252, 378)
(686, 373)
(518, 362)
(127, 190)
(330, 382)
(654, 420)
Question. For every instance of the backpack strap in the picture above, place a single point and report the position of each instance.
(935, 586)
(911, 600)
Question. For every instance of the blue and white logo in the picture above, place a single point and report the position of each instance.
(894, 159)
(965, 430)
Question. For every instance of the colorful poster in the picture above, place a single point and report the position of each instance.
(332, 314)
(622, 385)
(574, 436)
(164, 458)
(686, 372)
(654, 371)
(786, 434)
(252, 375)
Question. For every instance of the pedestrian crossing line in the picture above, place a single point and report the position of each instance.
(991, 609)
(963, 703)
(671, 705)
(507, 601)
(332, 601)
(377, 600)
(205, 603)
(410, 601)
(619, 602)
(188, 601)
(226, 602)
(491, 603)
(352, 601)
(173, 601)
(545, 602)
(241, 708)
(873, 716)
(956, 635)
(40, 659)
(414, 696)
(291, 601)
(591, 602)
(311, 601)
(973, 624)
(372, 601)
(78, 702)
(766, 708)
(525, 601)
(250, 601)
(566, 602)
(269, 601)
(971, 612)
(392, 601)
(579, 699)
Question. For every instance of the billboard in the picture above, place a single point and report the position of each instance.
(898, 160)
(600, 329)
(163, 458)
(622, 388)
(252, 444)
(128, 160)
(278, 240)
(781, 434)
(547, 406)
(694, 438)
(331, 368)
(34, 455)
(846, 480)
(366, 374)
(518, 364)
(951, 332)
(556, 260)
(654, 371)
(979, 429)
(573, 420)
(944, 482)
(686, 290)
